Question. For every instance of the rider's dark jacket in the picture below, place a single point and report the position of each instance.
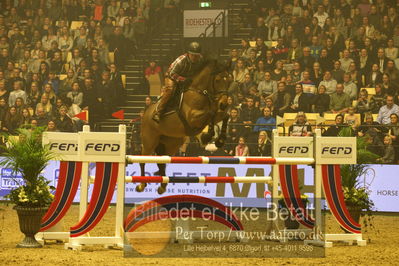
(183, 68)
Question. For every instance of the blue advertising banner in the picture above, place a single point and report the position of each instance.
(380, 180)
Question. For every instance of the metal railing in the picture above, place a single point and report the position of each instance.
(220, 21)
(215, 36)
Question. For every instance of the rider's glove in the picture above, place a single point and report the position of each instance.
(187, 82)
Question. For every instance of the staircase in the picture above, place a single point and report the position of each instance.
(164, 48)
(236, 32)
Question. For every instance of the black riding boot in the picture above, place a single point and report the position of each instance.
(160, 109)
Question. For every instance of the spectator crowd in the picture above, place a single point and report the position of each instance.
(61, 57)
(338, 58)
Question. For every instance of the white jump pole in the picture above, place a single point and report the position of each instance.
(84, 184)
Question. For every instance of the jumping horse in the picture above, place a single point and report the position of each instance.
(202, 104)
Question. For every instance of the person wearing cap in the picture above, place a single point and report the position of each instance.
(179, 76)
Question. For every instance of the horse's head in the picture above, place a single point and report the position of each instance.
(213, 81)
(220, 84)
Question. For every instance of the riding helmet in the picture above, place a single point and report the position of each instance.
(194, 48)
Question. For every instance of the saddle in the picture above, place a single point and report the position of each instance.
(174, 106)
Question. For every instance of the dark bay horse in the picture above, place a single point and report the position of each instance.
(203, 104)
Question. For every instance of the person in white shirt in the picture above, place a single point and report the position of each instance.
(346, 61)
(112, 9)
(16, 93)
(321, 15)
(385, 111)
(276, 29)
(369, 29)
(267, 85)
(329, 83)
(391, 51)
(350, 87)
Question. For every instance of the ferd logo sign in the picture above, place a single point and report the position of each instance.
(64, 147)
(292, 147)
(96, 147)
(332, 151)
(102, 146)
(88, 146)
(336, 150)
(63, 144)
(293, 150)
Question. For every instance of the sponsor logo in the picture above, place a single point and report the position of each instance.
(9, 180)
(293, 150)
(332, 151)
(105, 148)
(64, 147)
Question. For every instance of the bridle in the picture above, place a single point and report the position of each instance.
(216, 94)
(211, 94)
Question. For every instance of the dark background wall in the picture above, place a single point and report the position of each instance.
(216, 4)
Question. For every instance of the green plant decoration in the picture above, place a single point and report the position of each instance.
(356, 195)
(25, 156)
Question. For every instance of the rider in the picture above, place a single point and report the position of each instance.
(179, 75)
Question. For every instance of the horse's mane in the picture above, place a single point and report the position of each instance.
(201, 78)
(216, 66)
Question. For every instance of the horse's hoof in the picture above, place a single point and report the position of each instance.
(141, 187)
(161, 190)
(219, 143)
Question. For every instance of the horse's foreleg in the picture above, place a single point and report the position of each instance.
(161, 150)
(141, 186)
(162, 172)
(207, 137)
(222, 137)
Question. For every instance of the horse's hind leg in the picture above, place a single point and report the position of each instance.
(140, 187)
(160, 150)
(207, 137)
(150, 142)
(171, 147)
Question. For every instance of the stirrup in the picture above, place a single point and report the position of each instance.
(156, 117)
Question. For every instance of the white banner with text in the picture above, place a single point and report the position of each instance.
(380, 180)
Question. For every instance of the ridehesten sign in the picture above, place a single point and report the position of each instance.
(196, 21)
